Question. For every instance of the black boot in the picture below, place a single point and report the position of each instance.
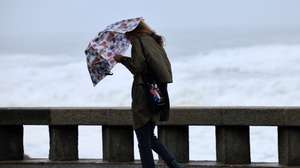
(175, 164)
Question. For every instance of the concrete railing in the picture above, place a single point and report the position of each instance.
(231, 132)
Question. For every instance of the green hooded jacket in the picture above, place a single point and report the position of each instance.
(138, 64)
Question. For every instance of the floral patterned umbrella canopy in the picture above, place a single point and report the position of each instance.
(108, 43)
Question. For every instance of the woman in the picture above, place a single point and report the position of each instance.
(146, 44)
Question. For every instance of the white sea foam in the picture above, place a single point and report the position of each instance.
(257, 75)
(253, 75)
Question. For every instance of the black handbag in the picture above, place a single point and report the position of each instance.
(156, 92)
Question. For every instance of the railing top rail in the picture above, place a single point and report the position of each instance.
(179, 115)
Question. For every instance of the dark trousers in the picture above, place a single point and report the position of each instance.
(148, 141)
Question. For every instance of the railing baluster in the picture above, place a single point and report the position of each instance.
(233, 144)
(117, 143)
(11, 142)
(289, 145)
(63, 142)
(176, 139)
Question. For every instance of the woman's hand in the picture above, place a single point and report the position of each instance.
(118, 58)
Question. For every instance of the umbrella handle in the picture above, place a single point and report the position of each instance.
(109, 73)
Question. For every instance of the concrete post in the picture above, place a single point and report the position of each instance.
(63, 142)
(11, 142)
(117, 143)
(289, 145)
(176, 140)
(233, 144)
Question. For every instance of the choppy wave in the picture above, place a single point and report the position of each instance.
(255, 75)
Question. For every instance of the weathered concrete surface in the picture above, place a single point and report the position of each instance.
(239, 115)
(24, 115)
(289, 145)
(233, 144)
(63, 142)
(176, 140)
(135, 164)
(91, 116)
(11, 142)
(117, 143)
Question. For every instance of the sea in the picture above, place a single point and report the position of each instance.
(211, 67)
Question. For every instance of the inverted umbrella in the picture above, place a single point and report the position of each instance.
(108, 43)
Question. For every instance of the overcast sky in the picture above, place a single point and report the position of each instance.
(43, 16)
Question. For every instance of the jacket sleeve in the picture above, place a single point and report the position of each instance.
(136, 63)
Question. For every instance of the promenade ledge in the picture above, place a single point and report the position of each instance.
(231, 124)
